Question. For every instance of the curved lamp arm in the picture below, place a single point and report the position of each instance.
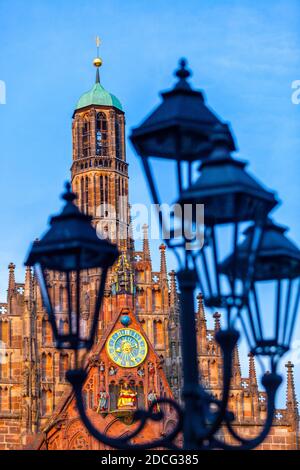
(271, 382)
(77, 378)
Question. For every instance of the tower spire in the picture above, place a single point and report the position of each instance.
(130, 234)
(11, 279)
(252, 371)
(28, 285)
(163, 263)
(97, 61)
(237, 374)
(99, 169)
(201, 325)
(173, 289)
(217, 317)
(146, 249)
(200, 309)
(291, 399)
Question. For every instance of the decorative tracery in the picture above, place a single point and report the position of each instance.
(79, 442)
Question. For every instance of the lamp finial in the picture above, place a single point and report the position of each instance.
(182, 72)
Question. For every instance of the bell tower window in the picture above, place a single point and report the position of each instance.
(101, 135)
(86, 138)
(118, 138)
(82, 194)
(86, 199)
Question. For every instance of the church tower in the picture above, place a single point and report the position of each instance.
(99, 169)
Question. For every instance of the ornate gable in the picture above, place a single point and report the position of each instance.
(124, 373)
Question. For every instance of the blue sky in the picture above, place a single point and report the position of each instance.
(244, 55)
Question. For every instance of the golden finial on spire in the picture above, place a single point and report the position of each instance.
(97, 61)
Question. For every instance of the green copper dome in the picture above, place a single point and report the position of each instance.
(98, 96)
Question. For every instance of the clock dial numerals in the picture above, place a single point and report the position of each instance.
(127, 347)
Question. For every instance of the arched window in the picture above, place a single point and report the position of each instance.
(101, 187)
(46, 402)
(77, 187)
(5, 332)
(113, 395)
(77, 137)
(63, 366)
(44, 331)
(158, 333)
(91, 399)
(82, 194)
(5, 366)
(86, 199)
(9, 398)
(83, 328)
(117, 196)
(106, 195)
(5, 398)
(140, 396)
(86, 138)
(73, 298)
(61, 326)
(44, 366)
(118, 138)
(101, 134)
(61, 298)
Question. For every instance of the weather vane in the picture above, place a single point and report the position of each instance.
(98, 43)
(97, 61)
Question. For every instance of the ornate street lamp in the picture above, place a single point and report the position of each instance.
(68, 249)
(276, 284)
(177, 131)
(180, 127)
(233, 200)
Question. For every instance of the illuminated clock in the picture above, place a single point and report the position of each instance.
(127, 347)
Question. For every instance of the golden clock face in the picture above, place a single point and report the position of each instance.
(127, 347)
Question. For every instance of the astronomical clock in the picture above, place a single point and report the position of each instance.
(127, 347)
